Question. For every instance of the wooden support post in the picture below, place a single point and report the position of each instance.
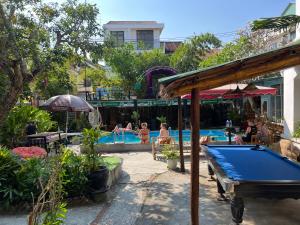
(195, 127)
(182, 169)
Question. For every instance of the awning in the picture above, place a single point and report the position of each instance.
(231, 72)
(231, 91)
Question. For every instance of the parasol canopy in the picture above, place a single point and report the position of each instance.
(231, 91)
(69, 103)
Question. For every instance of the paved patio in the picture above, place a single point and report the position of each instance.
(149, 194)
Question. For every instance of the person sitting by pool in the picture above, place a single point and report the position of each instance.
(164, 136)
(116, 129)
(251, 130)
(144, 134)
(204, 140)
(262, 133)
(128, 127)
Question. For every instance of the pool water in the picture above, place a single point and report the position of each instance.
(131, 138)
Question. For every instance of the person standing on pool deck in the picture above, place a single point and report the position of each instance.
(144, 134)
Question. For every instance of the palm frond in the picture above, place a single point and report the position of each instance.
(276, 23)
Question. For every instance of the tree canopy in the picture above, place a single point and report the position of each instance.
(35, 36)
(189, 54)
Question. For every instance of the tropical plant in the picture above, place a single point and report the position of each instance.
(13, 131)
(74, 173)
(135, 116)
(36, 34)
(90, 137)
(162, 119)
(189, 54)
(276, 23)
(169, 152)
(20, 179)
(296, 133)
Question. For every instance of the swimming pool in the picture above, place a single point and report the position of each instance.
(131, 138)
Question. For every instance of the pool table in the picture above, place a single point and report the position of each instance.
(251, 171)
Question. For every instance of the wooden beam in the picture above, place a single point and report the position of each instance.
(233, 72)
(182, 169)
(195, 125)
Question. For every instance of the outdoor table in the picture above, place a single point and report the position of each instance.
(47, 137)
(254, 171)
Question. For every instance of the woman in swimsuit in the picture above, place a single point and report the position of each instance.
(144, 134)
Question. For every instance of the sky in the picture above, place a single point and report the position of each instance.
(185, 18)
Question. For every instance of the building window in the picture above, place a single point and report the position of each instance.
(145, 39)
(117, 37)
(277, 104)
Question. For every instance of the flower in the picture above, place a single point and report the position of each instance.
(30, 152)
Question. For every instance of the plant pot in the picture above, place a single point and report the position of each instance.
(98, 179)
(172, 164)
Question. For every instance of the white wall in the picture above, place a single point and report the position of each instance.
(291, 90)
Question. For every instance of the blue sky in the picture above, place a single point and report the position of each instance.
(185, 18)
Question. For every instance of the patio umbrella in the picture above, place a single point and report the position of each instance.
(232, 91)
(67, 103)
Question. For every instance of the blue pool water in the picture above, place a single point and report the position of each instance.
(131, 138)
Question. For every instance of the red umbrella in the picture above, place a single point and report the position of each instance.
(234, 91)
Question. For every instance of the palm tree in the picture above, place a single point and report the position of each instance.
(276, 23)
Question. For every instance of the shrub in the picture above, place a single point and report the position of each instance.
(13, 131)
(30, 152)
(20, 179)
(169, 152)
(296, 133)
(74, 173)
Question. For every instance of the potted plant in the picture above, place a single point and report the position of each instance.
(162, 119)
(171, 155)
(97, 171)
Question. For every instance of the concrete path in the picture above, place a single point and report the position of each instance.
(149, 194)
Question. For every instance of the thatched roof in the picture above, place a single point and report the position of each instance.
(231, 72)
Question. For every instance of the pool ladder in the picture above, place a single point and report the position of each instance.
(117, 141)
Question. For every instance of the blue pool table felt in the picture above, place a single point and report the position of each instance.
(240, 163)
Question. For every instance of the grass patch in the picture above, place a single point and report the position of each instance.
(111, 162)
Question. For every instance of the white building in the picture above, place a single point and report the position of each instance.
(144, 35)
(291, 89)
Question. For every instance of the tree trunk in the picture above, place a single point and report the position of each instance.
(10, 98)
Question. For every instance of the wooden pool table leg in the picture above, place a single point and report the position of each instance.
(237, 209)
(221, 192)
(210, 173)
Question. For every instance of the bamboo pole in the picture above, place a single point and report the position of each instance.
(195, 126)
(182, 169)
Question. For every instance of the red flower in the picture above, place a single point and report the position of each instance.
(30, 152)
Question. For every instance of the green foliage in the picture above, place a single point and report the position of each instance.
(13, 130)
(135, 116)
(56, 81)
(90, 138)
(74, 173)
(296, 133)
(122, 60)
(56, 216)
(80, 123)
(169, 152)
(162, 119)
(37, 35)
(276, 23)
(237, 49)
(130, 65)
(189, 54)
(20, 179)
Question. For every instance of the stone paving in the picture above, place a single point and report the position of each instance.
(149, 194)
